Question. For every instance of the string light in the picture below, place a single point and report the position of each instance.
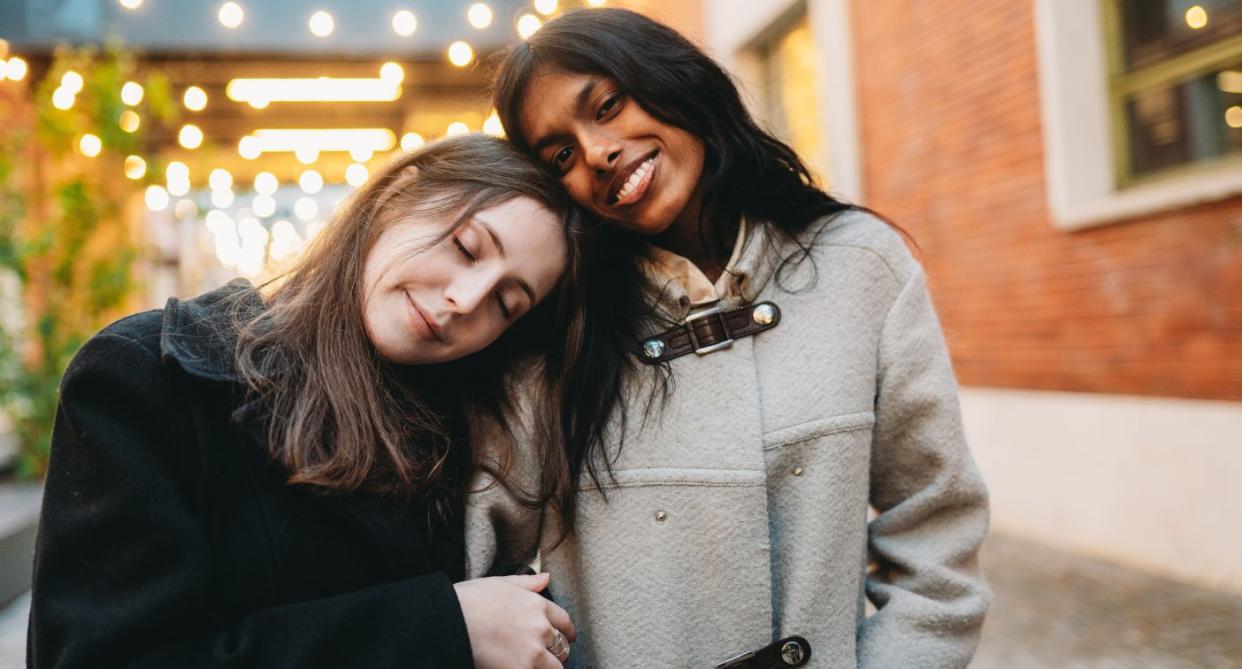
(356, 174)
(231, 15)
(305, 208)
(129, 120)
(404, 23)
(527, 25)
(545, 7)
(457, 128)
(135, 167)
(63, 98)
(321, 24)
(493, 126)
(306, 155)
(411, 141)
(263, 205)
(1196, 17)
(156, 198)
(248, 148)
(392, 73)
(220, 179)
(131, 93)
(460, 54)
(90, 145)
(1233, 116)
(131, 4)
(479, 15)
(177, 177)
(260, 92)
(17, 68)
(310, 182)
(596, 3)
(266, 183)
(222, 198)
(72, 82)
(190, 137)
(361, 154)
(335, 139)
(195, 99)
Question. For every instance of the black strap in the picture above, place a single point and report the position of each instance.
(792, 651)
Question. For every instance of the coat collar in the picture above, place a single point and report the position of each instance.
(198, 335)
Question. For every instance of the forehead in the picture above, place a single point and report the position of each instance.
(532, 238)
(552, 100)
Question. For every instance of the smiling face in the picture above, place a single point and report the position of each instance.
(425, 305)
(615, 159)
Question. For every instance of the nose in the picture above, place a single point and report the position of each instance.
(468, 290)
(602, 152)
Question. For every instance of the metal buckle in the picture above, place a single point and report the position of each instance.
(736, 660)
(705, 312)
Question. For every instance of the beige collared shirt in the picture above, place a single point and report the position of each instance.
(683, 286)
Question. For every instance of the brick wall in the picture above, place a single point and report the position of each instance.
(952, 151)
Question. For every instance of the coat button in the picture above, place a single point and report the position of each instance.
(764, 314)
(661, 516)
(797, 471)
(653, 348)
(792, 653)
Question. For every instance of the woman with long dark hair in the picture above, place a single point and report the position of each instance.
(760, 366)
(275, 477)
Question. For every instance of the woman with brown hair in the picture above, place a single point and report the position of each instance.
(273, 477)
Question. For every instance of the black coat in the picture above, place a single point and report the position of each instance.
(170, 539)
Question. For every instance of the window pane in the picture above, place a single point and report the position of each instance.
(1153, 30)
(1189, 121)
(790, 92)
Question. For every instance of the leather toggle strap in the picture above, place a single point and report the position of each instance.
(709, 329)
(792, 651)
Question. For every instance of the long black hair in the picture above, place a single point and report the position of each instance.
(746, 172)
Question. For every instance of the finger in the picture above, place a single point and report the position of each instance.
(548, 661)
(533, 583)
(561, 621)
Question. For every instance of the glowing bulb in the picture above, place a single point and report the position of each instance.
(460, 54)
(411, 141)
(62, 98)
(361, 154)
(179, 188)
(177, 171)
(404, 23)
(248, 147)
(596, 3)
(321, 24)
(1196, 17)
(131, 4)
(17, 69)
(156, 198)
(457, 128)
(263, 205)
(266, 183)
(527, 25)
(479, 15)
(131, 93)
(90, 145)
(310, 182)
(220, 179)
(1233, 116)
(231, 15)
(545, 7)
(135, 167)
(356, 174)
(305, 208)
(129, 121)
(306, 154)
(493, 126)
(190, 137)
(392, 73)
(72, 82)
(222, 198)
(195, 98)
(260, 103)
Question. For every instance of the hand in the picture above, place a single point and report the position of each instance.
(510, 626)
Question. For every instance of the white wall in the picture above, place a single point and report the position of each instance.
(1152, 483)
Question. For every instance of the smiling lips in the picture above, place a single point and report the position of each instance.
(434, 332)
(630, 185)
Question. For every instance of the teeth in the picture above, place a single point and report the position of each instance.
(635, 179)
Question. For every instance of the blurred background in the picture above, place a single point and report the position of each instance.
(1070, 169)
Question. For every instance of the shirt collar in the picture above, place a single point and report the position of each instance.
(682, 284)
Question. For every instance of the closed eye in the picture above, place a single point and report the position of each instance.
(464, 251)
(504, 309)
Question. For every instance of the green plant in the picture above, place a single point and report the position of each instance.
(64, 235)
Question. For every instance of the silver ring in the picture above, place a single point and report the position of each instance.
(559, 647)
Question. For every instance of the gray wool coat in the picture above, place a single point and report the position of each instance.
(786, 480)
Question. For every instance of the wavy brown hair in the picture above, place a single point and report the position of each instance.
(339, 417)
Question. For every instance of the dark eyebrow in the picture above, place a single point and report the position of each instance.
(501, 248)
(580, 102)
